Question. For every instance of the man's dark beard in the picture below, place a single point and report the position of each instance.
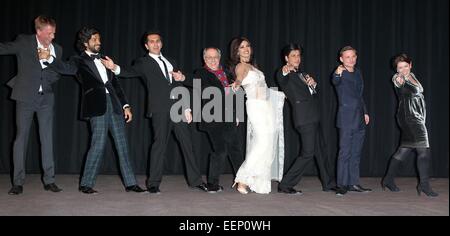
(93, 50)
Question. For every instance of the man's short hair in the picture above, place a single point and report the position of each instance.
(289, 48)
(42, 21)
(151, 32)
(347, 48)
(207, 48)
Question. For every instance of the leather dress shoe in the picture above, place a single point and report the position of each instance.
(329, 189)
(134, 188)
(201, 187)
(358, 188)
(154, 190)
(16, 190)
(290, 191)
(389, 185)
(214, 188)
(341, 190)
(87, 190)
(52, 187)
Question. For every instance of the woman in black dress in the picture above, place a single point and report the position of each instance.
(411, 119)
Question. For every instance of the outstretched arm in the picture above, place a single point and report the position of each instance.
(337, 75)
(11, 48)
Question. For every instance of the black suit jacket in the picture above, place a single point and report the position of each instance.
(209, 80)
(93, 99)
(305, 105)
(160, 96)
(30, 75)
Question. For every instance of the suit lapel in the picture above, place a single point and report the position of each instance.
(156, 67)
(302, 82)
(91, 65)
(33, 43)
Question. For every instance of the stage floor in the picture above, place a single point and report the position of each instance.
(178, 199)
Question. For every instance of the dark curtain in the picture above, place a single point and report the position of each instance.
(379, 29)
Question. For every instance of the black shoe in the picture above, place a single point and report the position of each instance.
(329, 188)
(134, 188)
(290, 191)
(391, 186)
(16, 190)
(341, 191)
(358, 188)
(426, 188)
(87, 190)
(52, 187)
(201, 187)
(154, 190)
(214, 188)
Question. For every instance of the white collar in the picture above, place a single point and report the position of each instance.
(155, 56)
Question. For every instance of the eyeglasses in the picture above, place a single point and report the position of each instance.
(211, 58)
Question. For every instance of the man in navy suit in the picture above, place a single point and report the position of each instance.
(352, 117)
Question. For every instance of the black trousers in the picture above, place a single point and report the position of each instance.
(163, 126)
(309, 138)
(225, 143)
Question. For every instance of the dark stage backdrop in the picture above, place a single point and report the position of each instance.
(379, 29)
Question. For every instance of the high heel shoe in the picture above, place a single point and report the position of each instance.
(391, 186)
(242, 188)
(425, 188)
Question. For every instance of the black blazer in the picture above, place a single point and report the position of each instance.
(160, 97)
(209, 80)
(93, 97)
(351, 108)
(30, 75)
(305, 105)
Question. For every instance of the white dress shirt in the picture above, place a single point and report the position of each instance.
(161, 65)
(101, 69)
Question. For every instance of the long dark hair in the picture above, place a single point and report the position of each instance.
(234, 58)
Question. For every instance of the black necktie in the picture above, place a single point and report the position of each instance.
(165, 69)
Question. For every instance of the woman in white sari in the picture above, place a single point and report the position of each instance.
(265, 141)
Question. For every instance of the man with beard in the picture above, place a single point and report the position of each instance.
(104, 104)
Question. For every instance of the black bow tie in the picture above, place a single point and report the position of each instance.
(96, 56)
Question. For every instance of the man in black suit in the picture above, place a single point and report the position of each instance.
(31, 88)
(103, 102)
(162, 77)
(300, 90)
(221, 121)
(352, 118)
